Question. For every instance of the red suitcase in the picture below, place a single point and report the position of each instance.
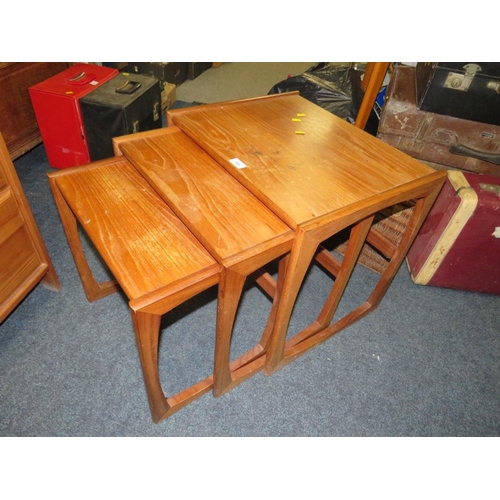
(57, 110)
(458, 245)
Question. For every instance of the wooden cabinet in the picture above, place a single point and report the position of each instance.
(24, 260)
(18, 124)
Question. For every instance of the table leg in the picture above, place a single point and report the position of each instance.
(303, 250)
(420, 211)
(282, 351)
(147, 330)
(230, 288)
(93, 289)
(311, 336)
(356, 241)
(278, 292)
(253, 360)
(229, 374)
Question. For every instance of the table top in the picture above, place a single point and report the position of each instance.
(302, 169)
(146, 247)
(229, 220)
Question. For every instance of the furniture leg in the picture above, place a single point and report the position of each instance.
(320, 330)
(356, 241)
(50, 280)
(93, 289)
(229, 374)
(306, 340)
(420, 211)
(230, 288)
(147, 330)
(303, 250)
(278, 291)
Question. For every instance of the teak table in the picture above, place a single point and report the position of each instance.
(240, 232)
(320, 175)
(154, 258)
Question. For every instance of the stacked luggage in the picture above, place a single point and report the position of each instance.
(80, 109)
(448, 116)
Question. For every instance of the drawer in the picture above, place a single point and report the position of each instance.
(20, 263)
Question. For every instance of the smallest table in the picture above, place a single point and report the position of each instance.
(155, 259)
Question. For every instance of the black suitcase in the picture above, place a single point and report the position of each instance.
(439, 140)
(195, 69)
(170, 72)
(126, 104)
(470, 91)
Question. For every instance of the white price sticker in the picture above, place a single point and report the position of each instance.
(237, 163)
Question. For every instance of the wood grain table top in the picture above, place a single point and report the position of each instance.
(303, 169)
(229, 220)
(146, 247)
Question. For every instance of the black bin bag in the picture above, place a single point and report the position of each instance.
(334, 87)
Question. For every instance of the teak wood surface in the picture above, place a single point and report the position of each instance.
(24, 259)
(155, 259)
(146, 212)
(241, 233)
(320, 175)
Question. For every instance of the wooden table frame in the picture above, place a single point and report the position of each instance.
(97, 195)
(261, 135)
(242, 129)
(142, 272)
(280, 351)
(235, 227)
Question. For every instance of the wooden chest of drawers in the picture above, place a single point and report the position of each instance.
(18, 124)
(24, 261)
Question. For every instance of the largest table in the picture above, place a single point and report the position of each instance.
(320, 175)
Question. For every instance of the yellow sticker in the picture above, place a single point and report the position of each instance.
(301, 114)
(296, 120)
(300, 132)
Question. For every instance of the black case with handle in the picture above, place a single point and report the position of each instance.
(470, 91)
(126, 104)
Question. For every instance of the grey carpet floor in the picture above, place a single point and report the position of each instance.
(425, 363)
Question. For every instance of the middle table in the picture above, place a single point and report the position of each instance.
(238, 230)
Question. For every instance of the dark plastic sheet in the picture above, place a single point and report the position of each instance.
(334, 87)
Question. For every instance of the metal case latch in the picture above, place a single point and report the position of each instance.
(457, 81)
(492, 188)
(494, 86)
